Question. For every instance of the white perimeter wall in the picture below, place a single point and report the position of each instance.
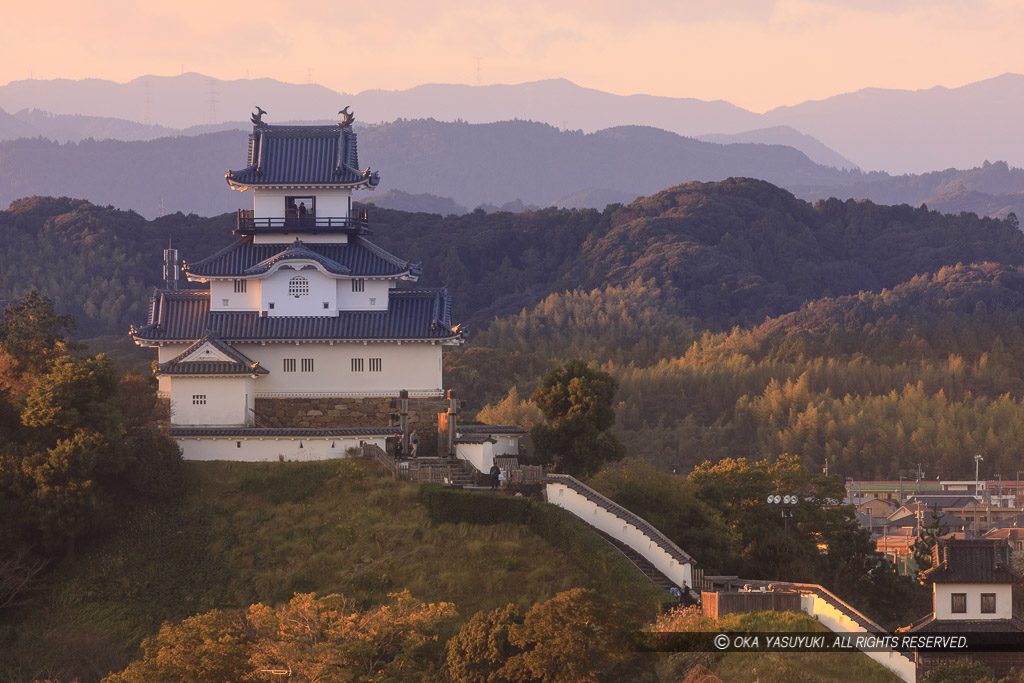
(621, 530)
(270, 448)
(837, 621)
(943, 601)
(412, 366)
(225, 400)
(479, 455)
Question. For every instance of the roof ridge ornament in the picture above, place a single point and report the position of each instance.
(346, 122)
(257, 117)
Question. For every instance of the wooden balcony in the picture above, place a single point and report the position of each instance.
(248, 224)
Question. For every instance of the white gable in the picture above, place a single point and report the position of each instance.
(207, 353)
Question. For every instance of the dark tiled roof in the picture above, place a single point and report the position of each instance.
(490, 429)
(298, 251)
(974, 561)
(184, 315)
(272, 432)
(358, 258)
(474, 438)
(303, 155)
(660, 539)
(238, 365)
(942, 502)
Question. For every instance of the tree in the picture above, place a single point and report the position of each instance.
(577, 402)
(927, 538)
(566, 638)
(31, 330)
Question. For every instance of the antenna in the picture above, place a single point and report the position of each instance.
(171, 266)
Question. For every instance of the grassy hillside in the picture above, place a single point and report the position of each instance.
(248, 533)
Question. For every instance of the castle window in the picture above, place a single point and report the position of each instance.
(357, 365)
(357, 285)
(199, 399)
(298, 286)
(271, 305)
(239, 286)
(375, 365)
(373, 301)
(988, 603)
(307, 365)
(327, 304)
(289, 365)
(224, 302)
(959, 603)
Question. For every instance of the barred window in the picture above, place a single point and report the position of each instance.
(375, 365)
(307, 365)
(357, 365)
(357, 285)
(199, 399)
(988, 603)
(239, 286)
(298, 286)
(959, 603)
(289, 365)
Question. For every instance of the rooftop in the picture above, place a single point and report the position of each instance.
(302, 155)
(413, 314)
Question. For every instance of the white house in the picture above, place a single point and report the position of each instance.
(306, 331)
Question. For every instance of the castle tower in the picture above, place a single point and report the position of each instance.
(305, 331)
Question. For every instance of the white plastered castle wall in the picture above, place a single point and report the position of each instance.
(479, 455)
(222, 291)
(942, 596)
(415, 366)
(165, 353)
(225, 400)
(374, 296)
(321, 290)
(263, 449)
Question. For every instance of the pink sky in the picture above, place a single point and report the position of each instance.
(755, 53)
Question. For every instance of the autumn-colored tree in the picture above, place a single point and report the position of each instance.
(207, 648)
(511, 410)
(318, 640)
(562, 640)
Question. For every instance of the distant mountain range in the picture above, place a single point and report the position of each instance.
(434, 167)
(899, 131)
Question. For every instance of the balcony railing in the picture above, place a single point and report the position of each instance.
(248, 224)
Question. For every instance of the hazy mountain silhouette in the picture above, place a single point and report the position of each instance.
(913, 131)
(473, 164)
(894, 130)
(785, 135)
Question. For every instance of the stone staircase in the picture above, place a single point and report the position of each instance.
(638, 561)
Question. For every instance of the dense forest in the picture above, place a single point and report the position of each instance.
(737, 319)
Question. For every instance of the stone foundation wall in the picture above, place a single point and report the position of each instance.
(319, 413)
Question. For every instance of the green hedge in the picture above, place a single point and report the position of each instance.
(455, 506)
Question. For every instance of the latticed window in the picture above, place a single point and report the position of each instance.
(357, 365)
(239, 286)
(375, 365)
(298, 286)
(357, 285)
(988, 603)
(199, 399)
(289, 365)
(959, 603)
(307, 365)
